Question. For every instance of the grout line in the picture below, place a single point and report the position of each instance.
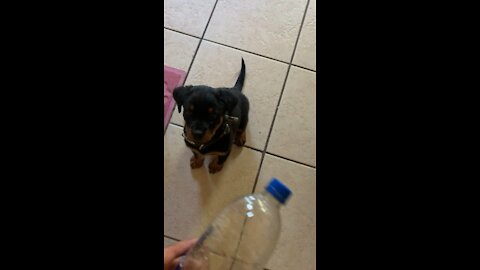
(239, 49)
(171, 238)
(280, 99)
(252, 148)
(209, 18)
(180, 32)
(177, 125)
(291, 160)
(304, 68)
(242, 50)
(299, 32)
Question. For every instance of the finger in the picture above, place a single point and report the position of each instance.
(176, 262)
(182, 247)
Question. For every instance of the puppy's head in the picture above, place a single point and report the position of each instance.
(203, 110)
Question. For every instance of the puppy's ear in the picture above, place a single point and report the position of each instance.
(180, 94)
(227, 98)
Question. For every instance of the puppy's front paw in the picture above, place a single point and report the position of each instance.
(240, 138)
(196, 162)
(214, 167)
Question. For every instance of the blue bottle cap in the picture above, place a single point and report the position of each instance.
(278, 190)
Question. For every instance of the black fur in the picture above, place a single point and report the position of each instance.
(241, 78)
(204, 111)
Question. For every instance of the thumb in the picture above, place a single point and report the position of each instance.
(182, 247)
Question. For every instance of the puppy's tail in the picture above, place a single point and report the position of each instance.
(241, 78)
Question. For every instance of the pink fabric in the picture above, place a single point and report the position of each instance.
(172, 78)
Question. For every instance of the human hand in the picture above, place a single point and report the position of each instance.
(173, 253)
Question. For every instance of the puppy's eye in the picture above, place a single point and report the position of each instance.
(210, 110)
(191, 108)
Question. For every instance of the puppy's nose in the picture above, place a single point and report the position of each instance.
(197, 133)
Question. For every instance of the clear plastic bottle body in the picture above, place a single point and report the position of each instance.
(243, 236)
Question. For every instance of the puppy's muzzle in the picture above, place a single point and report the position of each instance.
(198, 133)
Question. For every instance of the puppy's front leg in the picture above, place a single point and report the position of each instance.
(216, 164)
(196, 161)
(240, 138)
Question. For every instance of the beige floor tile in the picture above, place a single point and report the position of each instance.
(168, 242)
(297, 244)
(305, 54)
(294, 132)
(177, 118)
(217, 66)
(266, 27)
(178, 49)
(193, 197)
(188, 16)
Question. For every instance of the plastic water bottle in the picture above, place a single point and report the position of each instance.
(243, 236)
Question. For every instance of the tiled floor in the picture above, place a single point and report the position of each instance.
(207, 39)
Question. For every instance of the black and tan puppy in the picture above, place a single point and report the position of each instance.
(215, 118)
